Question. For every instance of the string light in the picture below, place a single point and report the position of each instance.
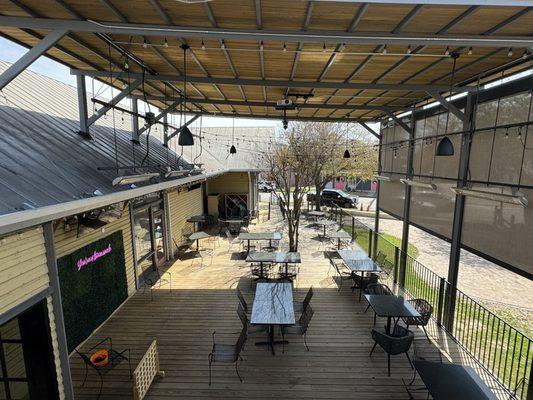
(510, 52)
(222, 44)
(203, 44)
(470, 51)
(324, 48)
(384, 51)
(166, 43)
(409, 49)
(447, 51)
(284, 47)
(145, 45)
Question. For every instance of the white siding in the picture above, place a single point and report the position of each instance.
(182, 206)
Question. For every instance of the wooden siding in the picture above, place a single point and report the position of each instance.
(182, 206)
(23, 270)
(232, 182)
(67, 241)
(55, 346)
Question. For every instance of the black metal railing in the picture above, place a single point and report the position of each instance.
(501, 350)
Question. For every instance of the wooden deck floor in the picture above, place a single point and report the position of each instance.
(203, 300)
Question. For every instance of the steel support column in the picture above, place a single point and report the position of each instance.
(30, 56)
(114, 101)
(376, 218)
(462, 177)
(82, 107)
(51, 262)
(135, 121)
(407, 200)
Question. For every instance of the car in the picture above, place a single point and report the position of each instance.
(266, 186)
(336, 197)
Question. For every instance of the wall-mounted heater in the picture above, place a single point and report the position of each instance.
(516, 198)
(424, 185)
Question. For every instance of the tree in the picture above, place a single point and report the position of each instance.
(290, 168)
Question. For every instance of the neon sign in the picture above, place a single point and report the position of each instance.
(82, 262)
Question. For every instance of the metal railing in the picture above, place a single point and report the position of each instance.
(500, 349)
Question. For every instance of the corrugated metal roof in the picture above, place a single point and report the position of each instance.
(43, 161)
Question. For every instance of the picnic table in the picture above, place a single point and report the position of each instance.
(273, 305)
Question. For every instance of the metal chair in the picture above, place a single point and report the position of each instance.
(343, 275)
(398, 343)
(242, 301)
(150, 276)
(250, 329)
(425, 309)
(379, 289)
(227, 353)
(300, 328)
(301, 306)
(380, 258)
(232, 240)
(114, 358)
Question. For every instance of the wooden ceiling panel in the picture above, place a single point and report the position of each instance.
(286, 15)
(523, 26)
(234, 13)
(330, 16)
(483, 19)
(94, 10)
(183, 14)
(432, 18)
(383, 18)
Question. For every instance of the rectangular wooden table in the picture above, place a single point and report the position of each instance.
(391, 307)
(249, 236)
(273, 305)
(452, 381)
(277, 257)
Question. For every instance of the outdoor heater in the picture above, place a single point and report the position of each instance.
(129, 179)
(419, 184)
(176, 173)
(516, 198)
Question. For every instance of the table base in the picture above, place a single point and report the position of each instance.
(271, 342)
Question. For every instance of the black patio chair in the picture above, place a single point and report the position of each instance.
(301, 306)
(398, 343)
(151, 276)
(114, 358)
(379, 289)
(425, 310)
(227, 353)
(362, 282)
(250, 328)
(343, 275)
(242, 301)
(300, 328)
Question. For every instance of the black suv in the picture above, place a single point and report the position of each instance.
(337, 197)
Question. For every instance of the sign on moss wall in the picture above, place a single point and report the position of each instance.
(93, 284)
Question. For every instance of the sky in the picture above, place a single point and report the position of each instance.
(11, 52)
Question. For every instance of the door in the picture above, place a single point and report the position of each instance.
(158, 236)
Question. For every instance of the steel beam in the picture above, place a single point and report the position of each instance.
(272, 104)
(397, 120)
(114, 101)
(457, 227)
(134, 121)
(82, 107)
(31, 55)
(121, 28)
(449, 106)
(293, 118)
(163, 114)
(378, 182)
(372, 131)
(492, 3)
(276, 83)
(177, 131)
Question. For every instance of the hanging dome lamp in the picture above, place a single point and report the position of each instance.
(233, 149)
(186, 137)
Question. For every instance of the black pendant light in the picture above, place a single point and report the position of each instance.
(233, 149)
(346, 154)
(185, 138)
(445, 147)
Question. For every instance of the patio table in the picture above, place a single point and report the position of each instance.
(316, 214)
(197, 236)
(234, 225)
(339, 235)
(356, 260)
(452, 381)
(277, 257)
(196, 220)
(325, 223)
(249, 236)
(273, 305)
(391, 307)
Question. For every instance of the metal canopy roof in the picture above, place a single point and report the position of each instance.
(339, 60)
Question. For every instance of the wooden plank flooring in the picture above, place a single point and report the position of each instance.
(203, 300)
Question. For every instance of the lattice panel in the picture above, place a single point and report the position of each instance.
(146, 371)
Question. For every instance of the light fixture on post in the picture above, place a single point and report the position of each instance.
(186, 137)
(129, 179)
(232, 149)
(514, 198)
(424, 185)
